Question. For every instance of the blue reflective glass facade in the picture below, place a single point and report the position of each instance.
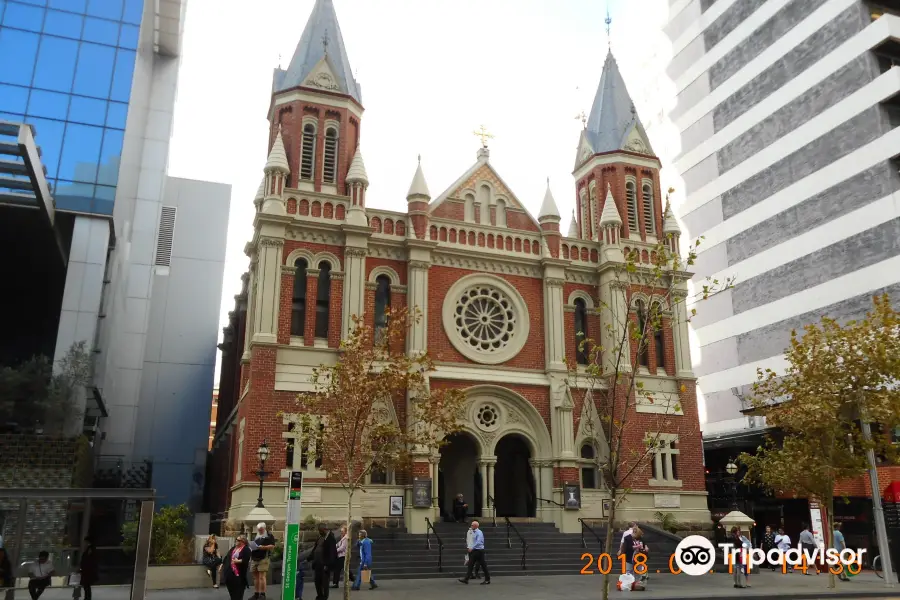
(66, 67)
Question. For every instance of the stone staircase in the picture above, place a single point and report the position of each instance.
(402, 555)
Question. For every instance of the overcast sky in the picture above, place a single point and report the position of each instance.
(431, 73)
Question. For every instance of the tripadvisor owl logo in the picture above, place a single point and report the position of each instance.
(695, 555)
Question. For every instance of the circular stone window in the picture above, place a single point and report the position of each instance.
(485, 318)
(487, 417)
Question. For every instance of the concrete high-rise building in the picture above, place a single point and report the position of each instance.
(143, 253)
(788, 113)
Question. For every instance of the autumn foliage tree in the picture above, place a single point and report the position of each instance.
(608, 378)
(354, 399)
(837, 375)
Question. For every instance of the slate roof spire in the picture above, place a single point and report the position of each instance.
(613, 116)
(321, 39)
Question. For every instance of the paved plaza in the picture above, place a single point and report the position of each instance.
(572, 587)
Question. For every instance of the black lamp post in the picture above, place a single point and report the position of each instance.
(732, 470)
(263, 453)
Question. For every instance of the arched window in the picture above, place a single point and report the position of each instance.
(469, 209)
(501, 213)
(323, 299)
(643, 354)
(648, 207)
(631, 201)
(298, 303)
(308, 158)
(331, 149)
(659, 340)
(581, 331)
(382, 305)
(379, 474)
(590, 479)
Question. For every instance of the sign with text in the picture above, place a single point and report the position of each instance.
(292, 537)
(422, 493)
(572, 496)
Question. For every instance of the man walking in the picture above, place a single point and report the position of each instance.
(840, 545)
(259, 559)
(323, 555)
(475, 548)
(808, 545)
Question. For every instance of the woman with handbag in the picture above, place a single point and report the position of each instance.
(237, 561)
(211, 559)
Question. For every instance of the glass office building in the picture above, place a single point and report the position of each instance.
(66, 68)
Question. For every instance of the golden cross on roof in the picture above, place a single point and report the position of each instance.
(583, 118)
(484, 135)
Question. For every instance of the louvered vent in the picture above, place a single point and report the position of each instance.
(166, 232)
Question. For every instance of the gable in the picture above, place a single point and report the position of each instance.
(585, 151)
(322, 77)
(636, 141)
(486, 173)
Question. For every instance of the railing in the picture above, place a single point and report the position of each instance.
(491, 503)
(509, 526)
(589, 528)
(559, 504)
(429, 529)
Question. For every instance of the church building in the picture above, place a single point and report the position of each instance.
(505, 295)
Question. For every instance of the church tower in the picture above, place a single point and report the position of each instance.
(317, 104)
(615, 160)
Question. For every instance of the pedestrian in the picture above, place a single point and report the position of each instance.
(460, 509)
(90, 568)
(632, 545)
(768, 543)
(342, 546)
(301, 573)
(259, 560)
(235, 566)
(783, 542)
(6, 578)
(626, 533)
(39, 574)
(469, 534)
(737, 566)
(839, 545)
(211, 559)
(365, 560)
(747, 546)
(475, 548)
(808, 546)
(323, 557)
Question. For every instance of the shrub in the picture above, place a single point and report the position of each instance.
(171, 542)
(667, 522)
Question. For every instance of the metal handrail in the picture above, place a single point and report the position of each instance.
(559, 504)
(509, 525)
(430, 526)
(589, 528)
(491, 501)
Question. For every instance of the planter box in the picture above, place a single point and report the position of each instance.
(177, 577)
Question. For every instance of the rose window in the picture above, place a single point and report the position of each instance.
(485, 319)
(488, 417)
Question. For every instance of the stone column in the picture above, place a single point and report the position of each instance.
(553, 317)
(286, 309)
(417, 342)
(354, 287)
(490, 464)
(312, 299)
(482, 473)
(538, 492)
(681, 336)
(268, 289)
(435, 466)
(615, 313)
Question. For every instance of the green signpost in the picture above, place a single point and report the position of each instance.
(291, 537)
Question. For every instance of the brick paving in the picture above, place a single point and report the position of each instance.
(573, 587)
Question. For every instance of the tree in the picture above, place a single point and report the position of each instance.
(170, 540)
(349, 411)
(836, 376)
(34, 398)
(608, 382)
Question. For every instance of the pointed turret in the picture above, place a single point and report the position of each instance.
(549, 211)
(613, 124)
(357, 172)
(276, 170)
(672, 231)
(260, 194)
(277, 156)
(573, 227)
(418, 190)
(357, 184)
(610, 215)
(320, 43)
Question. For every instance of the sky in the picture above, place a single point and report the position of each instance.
(431, 72)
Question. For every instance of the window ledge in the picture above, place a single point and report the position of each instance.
(320, 343)
(664, 483)
(296, 341)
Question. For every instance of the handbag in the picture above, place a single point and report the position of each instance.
(75, 580)
(367, 576)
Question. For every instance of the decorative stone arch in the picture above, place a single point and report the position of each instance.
(303, 253)
(382, 270)
(493, 411)
(590, 428)
(500, 198)
(331, 258)
(588, 301)
(663, 304)
(638, 297)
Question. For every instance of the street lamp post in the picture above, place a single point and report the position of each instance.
(732, 470)
(263, 453)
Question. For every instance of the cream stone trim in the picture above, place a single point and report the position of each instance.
(308, 256)
(371, 286)
(309, 120)
(331, 258)
(304, 233)
(489, 265)
(588, 300)
(609, 159)
(663, 461)
(488, 374)
(390, 252)
(519, 334)
(516, 416)
(383, 270)
(320, 99)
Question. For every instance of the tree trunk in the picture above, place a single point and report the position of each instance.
(607, 546)
(829, 533)
(346, 574)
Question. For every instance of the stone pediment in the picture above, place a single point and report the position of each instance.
(486, 173)
(323, 78)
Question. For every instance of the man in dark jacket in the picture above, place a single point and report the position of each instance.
(322, 557)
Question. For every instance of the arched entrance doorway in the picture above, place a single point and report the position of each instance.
(514, 485)
(458, 474)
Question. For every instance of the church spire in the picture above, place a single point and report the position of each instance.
(418, 189)
(614, 124)
(548, 207)
(321, 41)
